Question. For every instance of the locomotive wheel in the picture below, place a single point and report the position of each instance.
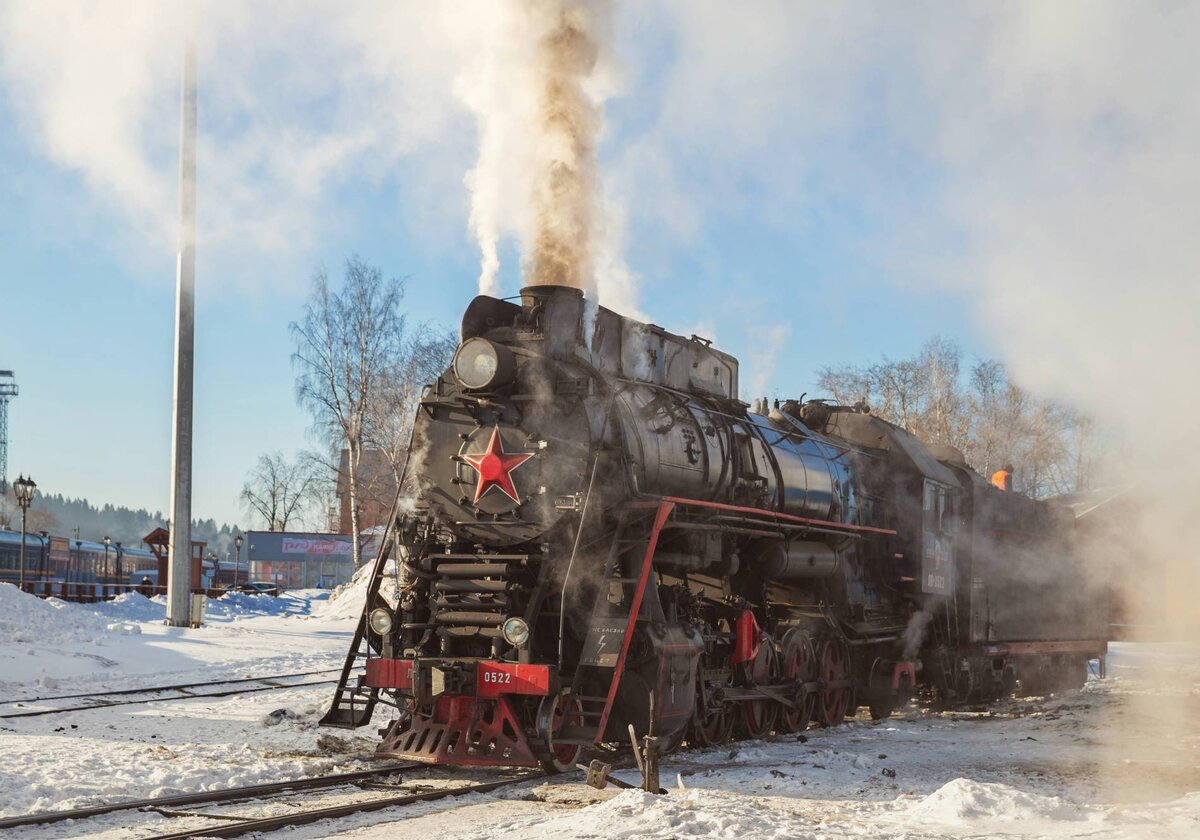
(555, 713)
(835, 665)
(710, 726)
(799, 665)
(758, 716)
(884, 704)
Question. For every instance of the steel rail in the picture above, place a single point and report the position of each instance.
(230, 693)
(333, 812)
(227, 795)
(154, 688)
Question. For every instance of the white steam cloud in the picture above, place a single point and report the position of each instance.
(537, 91)
(303, 100)
(298, 101)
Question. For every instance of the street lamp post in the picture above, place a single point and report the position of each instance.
(237, 557)
(23, 488)
(78, 562)
(107, 540)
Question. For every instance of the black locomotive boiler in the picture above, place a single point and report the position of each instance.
(605, 536)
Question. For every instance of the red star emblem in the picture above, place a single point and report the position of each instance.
(495, 467)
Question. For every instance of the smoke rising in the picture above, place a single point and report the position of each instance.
(914, 633)
(298, 101)
(304, 101)
(537, 93)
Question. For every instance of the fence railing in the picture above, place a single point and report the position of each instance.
(89, 593)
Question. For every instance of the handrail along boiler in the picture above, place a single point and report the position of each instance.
(604, 536)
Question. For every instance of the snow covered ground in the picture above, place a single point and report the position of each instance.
(1120, 758)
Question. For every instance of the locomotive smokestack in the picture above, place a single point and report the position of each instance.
(558, 312)
(539, 294)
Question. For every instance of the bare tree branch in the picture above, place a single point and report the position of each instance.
(345, 341)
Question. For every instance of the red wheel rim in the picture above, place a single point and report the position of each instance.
(798, 666)
(833, 700)
(564, 753)
(759, 715)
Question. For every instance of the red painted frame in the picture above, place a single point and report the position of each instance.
(510, 678)
(786, 517)
(665, 507)
(389, 673)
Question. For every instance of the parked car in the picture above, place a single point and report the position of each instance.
(254, 587)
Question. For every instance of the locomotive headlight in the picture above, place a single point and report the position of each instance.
(516, 631)
(480, 363)
(381, 621)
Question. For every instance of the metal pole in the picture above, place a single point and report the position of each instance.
(180, 546)
(21, 579)
(237, 562)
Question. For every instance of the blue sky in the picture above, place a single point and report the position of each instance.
(808, 187)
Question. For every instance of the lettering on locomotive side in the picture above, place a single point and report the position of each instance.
(602, 646)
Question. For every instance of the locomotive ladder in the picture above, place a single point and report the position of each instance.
(612, 625)
(353, 705)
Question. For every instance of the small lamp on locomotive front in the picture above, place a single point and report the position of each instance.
(515, 631)
(381, 621)
(479, 364)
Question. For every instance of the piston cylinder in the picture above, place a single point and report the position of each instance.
(792, 561)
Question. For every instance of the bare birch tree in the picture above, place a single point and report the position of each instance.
(425, 355)
(278, 490)
(345, 342)
(987, 416)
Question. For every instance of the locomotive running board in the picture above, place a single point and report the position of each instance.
(353, 706)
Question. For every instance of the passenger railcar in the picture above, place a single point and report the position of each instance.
(84, 567)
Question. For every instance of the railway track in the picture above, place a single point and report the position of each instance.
(179, 691)
(215, 824)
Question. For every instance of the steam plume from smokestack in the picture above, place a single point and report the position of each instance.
(569, 120)
(538, 94)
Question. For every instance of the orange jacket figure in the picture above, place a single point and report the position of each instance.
(1002, 478)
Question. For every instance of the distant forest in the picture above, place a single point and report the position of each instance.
(61, 516)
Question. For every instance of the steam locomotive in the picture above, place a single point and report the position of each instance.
(604, 536)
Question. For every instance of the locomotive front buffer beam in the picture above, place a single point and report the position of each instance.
(485, 679)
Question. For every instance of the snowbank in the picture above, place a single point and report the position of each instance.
(347, 600)
(130, 606)
(963, 800)
(27, 619)
(233, 604)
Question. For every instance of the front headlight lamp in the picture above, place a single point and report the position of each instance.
(515, 631)
(479, 364)
(381, 621)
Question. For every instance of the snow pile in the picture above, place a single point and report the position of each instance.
(234, 604)
(347, 600)
(27, 619)
(965, 800)
(635, 814)
(131, 606)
